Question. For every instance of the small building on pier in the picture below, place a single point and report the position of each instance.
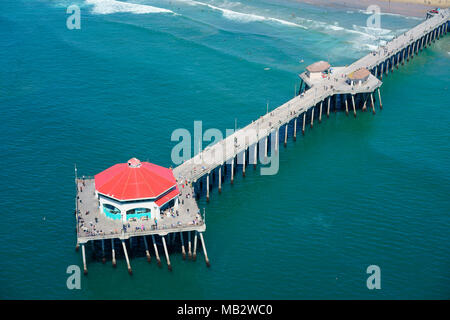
(317, 70)
(358, 77)
(135, 190)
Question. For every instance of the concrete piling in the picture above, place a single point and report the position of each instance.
(328, 108)
(194, 254)
(220, 180)
(285, 134)
(207, 187)
(232, 171)
(320, 112)
(312, 117)
(83, 254)
(346, 106)
(155, 247)
(244, 153)
(103, 252)
(147, 252)
(169, 266)
(373, 105)
(379, 96)
(304, 120)
(183, 251)
(354, 108)
(189, 246)
(113, 254)
(126, 257)
(204, 250)
(295, 129)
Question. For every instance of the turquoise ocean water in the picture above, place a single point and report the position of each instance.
(351, 193)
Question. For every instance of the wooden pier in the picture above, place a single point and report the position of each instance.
(259, 139)
(334, 91)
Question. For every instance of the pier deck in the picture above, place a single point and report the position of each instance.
(229, 148)
(96, 226)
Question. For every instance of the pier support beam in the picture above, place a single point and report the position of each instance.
(169, 266)
(126, 257)
(207, 187)
(244, 153)
(304, 120)
(346, 106)
(255, 154)
(232, 171)
(204, 249)
(220, 183)
(312, 117)
(83, 254)
(265, 147)
(183, 251)
(155, 247)
(285, 134)
(194, 254)
(328, 108)
(147, 252)
(354, 108)
(113, 254)
(103, 252)
(373, 105)
(379, 96)
(277, 139)
(189, 246)
(320, 112)
(295, 129)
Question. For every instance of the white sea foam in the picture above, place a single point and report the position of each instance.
(113, 6)
(241, 16)
(390, 14)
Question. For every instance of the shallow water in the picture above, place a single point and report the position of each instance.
(351, 193)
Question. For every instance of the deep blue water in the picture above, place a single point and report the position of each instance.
(349, 194)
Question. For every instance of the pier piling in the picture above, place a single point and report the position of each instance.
(220, 183)
(113, 254)
(83, 254)
(189, 246)
(285, 134)
(194, 254)
(103, 252)
(126, 257)
(320, 112)
(354, 108)
(207, 187)
(183, 251)
(147, 252)
(169, 266)
(295, 129)
(304, 120)
(204, 250)
(243, 161)
(379, 96)
(155, 247)
(346, 107)
(328, 108)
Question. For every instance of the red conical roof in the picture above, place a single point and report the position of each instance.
(134, 180)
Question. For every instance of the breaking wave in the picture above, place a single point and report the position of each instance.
(113, 6)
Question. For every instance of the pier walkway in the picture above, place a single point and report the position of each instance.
(242, 146)
(332, 91)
